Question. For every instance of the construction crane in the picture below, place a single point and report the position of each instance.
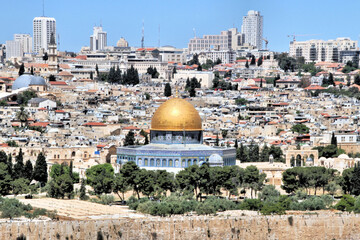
(194, 32)
(300, 35)
(266, 43)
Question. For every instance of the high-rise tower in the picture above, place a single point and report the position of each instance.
(98, 41)
(253, 28)
(43, 27)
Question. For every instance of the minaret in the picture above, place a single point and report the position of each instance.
(52, 53)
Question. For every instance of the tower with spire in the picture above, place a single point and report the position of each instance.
(52, 54)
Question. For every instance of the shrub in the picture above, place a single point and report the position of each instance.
(11, 208)
(104, 199)
(357, 205)
(251, 204)
(205, 208)
(346, 203)
(272, 208)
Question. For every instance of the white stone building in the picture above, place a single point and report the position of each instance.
(252, 27)
(42, 28)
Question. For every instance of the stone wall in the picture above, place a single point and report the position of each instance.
(325, 226)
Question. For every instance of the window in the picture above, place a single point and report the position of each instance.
(152, 162)
(170, 162)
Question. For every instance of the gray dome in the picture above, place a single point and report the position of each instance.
(26, 80)
(38, 81)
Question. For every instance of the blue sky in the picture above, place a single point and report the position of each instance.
(122, 18)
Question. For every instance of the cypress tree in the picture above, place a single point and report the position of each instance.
(40, 170)
(22, 69)
(333, 139)
(146, 140)
(83, 190)
(247, 64)
(28, 173)
(71, 170)
(357, 80)
(19, 166)
(167, 90)
(129, 139)
(260, 61)
(253, 60)
(10, 165)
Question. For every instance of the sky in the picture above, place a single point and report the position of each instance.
(318, 19)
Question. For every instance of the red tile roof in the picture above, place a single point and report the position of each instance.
(314, 87)
(39, 124)
(58, 83)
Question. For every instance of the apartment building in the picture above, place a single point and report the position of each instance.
(43, 27)
(321, 50)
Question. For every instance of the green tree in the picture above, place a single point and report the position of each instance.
(331, 79)
(333, 139)
(260, 61)
(164, 182)
(5, 179)
(97, 70)
(264, 154)
(253, 60)
(120, 186)
(357, 79)
(253, 179)
(129, 171)
(101, 178)
(20, 186)
(19, 166)
(32, 70)
(355, 179)
(40, 170)
(189, 179)
(22, 69)
(290, 180)
(241, 101)
(269, 194)
(300, 128)
(22, 116)
(129, 139)
(247, 64)
(28, 171)
(45, 56)
(61, 186)
(83, 195)
(146, 142)
(167, 90)
(242, 154)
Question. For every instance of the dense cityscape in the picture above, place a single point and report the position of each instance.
(129, 138)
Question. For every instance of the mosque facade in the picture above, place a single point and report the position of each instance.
(176, 141)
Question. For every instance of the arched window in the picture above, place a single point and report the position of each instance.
(146, 162)
(152, 162)
(170, 162)
(164, 163)
(189, 163)
(158, 163)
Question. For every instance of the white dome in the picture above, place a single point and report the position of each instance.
(343, 156)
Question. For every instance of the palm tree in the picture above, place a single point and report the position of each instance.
(22, 116)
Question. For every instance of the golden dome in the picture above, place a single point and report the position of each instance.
(176, 114)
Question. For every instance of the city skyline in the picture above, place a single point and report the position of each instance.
(176, 27)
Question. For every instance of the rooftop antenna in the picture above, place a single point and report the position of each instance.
(142, 38)
(43, 8)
